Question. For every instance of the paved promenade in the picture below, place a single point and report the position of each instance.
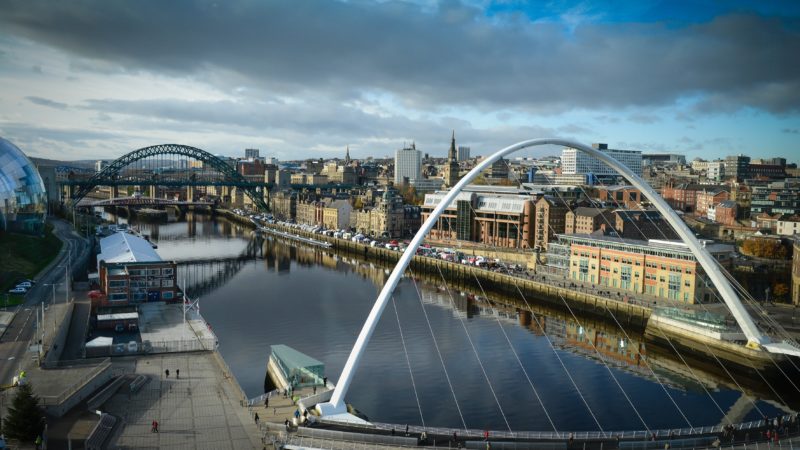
(199, 410)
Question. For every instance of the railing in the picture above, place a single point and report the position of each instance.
(52, 400)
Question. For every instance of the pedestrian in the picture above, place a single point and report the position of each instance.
(38, 442)
(275, 411)
(455, 437)
(255, 417)
(177, 373)
(325, 381)
(286, 424)
(266, 402)
(154, 428)
(571, 439)
(392, 431)
(166, 372)
(315, 389)
(485, 435)
(406, 429)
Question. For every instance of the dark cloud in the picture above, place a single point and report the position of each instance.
(306, 124)
(791, 131)
(47, 102)
(644, 119)
(449, 55)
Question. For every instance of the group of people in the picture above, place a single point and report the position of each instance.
(177, 373)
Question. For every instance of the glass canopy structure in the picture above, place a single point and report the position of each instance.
(298, 369)
(23, 201)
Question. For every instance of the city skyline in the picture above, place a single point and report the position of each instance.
(95, 80)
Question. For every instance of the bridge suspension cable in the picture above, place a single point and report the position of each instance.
(475, 351)
(408, 362)
(697, 301)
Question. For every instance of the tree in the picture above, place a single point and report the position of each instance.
(24, 420)
(779, 290)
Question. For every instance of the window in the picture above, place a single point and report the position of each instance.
(674, 286)
(166, 282)
(625, 278)
(118, 297)
(153, 272)
(167, 295)
(117, 283)
(166, 271)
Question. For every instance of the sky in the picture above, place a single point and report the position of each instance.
(95, 79)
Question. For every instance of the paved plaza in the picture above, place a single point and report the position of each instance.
(199, 410)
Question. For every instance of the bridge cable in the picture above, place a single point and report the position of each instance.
(438, 351)
(647, 216)
(474, 350)
(408, 363)
(671, 345)
(516, 356)
(644, 359)
(558, 357)
(600, 356)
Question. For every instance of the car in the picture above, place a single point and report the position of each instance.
(18, 291)
(24, 284)
(26, 280)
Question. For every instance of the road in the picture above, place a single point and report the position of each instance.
(15, 341)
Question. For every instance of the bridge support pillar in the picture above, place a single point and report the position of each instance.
(153, 191)
(189, 193)
(114, 192)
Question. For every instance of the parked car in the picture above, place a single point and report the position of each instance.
(24, 284)
(25, 280)
(18, 291)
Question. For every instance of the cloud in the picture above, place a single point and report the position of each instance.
(46, 102)
(791, 131)
(430, 57)
(644, 119)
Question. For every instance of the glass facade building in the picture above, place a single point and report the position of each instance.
(23, 200)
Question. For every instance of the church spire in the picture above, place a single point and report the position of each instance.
(347, 156)
(452, 155)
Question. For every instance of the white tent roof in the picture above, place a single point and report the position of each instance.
(100, 342)
(124, 247)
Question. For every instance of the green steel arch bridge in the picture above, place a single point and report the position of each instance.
(167, 165)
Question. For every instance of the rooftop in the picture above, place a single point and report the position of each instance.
(123, 247)
(292, 358)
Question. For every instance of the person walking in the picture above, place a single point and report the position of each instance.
(255, 417)
(266, 402)
(177, 373)
(154, 426)
(166, 372)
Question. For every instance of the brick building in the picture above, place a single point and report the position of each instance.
(583, 220)
(551, 218)
(130, 271)
(709, 197)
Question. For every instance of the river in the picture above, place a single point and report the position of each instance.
(316, 302)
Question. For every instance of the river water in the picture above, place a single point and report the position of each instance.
(504, 369)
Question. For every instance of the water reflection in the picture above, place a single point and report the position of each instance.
(270, 291)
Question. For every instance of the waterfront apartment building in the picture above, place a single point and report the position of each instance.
(310, 212)
(574, 161)
(130, 271)
(407, 165)
(497, 216)
(550, 220)
(660, 268)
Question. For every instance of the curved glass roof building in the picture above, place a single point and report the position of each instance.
(23, 201)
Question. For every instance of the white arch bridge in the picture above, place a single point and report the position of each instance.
(756, 340)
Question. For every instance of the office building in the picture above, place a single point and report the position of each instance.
(737, 167)
(407, 165)
(251, 153)
(463, 153)
(661, 268)
(574, 161)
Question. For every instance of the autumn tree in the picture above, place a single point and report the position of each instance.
(779, 290)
